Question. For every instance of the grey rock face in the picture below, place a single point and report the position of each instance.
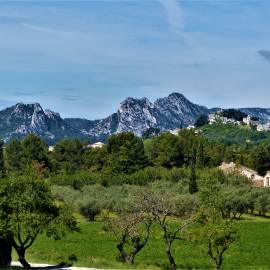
(136, 115)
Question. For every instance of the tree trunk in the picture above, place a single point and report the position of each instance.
(22, 260)
(170, 257)
(130, 259)
(5, 252)
(217, 266)
(122, 252)
(218, 262)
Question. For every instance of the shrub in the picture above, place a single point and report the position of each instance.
(90, 210)
(76, 180)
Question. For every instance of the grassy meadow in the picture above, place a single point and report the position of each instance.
(94, 247)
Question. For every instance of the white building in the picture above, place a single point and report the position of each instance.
(215, 118)
(263, 127)
(96, 145)
(175, 131)
(266, 182)
(249, 122)
(256, 179)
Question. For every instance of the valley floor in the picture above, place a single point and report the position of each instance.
(95, 248)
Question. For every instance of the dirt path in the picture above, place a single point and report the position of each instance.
(47, 266)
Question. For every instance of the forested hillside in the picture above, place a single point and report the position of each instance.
(228, 134)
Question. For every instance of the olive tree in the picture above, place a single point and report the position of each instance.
(28, 210)
(218, 234)
(162, 207)
(131, 231)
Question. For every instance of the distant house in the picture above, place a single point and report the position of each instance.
(216, 118)
(267, 180)
(175, 131)
(96, 145)
(263, 127)
(255, 178)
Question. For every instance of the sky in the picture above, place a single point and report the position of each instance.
(82, 58)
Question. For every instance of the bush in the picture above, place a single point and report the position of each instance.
(76, 180)
(141, 177)
(176, 175)
(90, 210)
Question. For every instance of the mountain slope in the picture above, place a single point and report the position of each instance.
(21, 119)
(138, 115)
(176, 111)
(262, 114)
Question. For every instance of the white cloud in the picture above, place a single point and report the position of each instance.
(175, 14)
(46, 30)
(176, 21)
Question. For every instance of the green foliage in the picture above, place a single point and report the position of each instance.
(125, 153)
(150, 133)
(90, 209)
(76, 180)
(140, 177)
(202, 120)
(95, 158)
(193, 181)
(30, 212)
(233, 114)
(219, 234)
(13, 156)
(234, 135)
(34, 149)
(2, 163)
(166, 151)
(228, 194)
(30, 152)
(68, 155)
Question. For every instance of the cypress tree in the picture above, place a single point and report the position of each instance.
(2, 163)
(200, 156)
(193, 179)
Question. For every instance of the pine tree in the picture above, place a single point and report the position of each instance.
(13, 156)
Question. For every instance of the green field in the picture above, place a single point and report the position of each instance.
(96, 248)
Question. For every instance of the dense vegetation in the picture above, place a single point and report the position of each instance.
(233, 114)
(242, 145)
(129, 197)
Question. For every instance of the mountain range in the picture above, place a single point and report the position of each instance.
(136, 115)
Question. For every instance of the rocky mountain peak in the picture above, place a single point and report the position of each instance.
(134, 102)
(139, 114)
(134, 114)
(52, 114)
(176, 95)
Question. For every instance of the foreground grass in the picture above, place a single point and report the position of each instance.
(96, 248)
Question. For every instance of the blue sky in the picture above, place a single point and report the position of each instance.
(81, 58)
